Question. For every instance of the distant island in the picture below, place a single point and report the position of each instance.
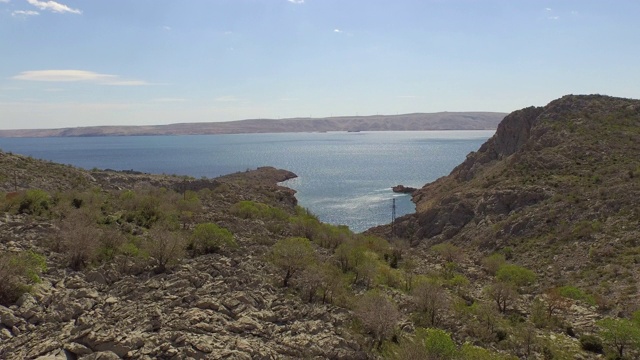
(404, 122)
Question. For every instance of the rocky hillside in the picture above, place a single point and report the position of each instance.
(116, 304)
(404, 122)
(527, 250)
(556, 185)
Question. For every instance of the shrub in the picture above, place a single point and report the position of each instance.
(292, 255)
(619, 334)
(493, 262)
(18, 272)
(34, 202)
(378, 316)
(471, 352)
(208, 238)
(516, 275)
(438, 343)
(574, 293)
(254, 210)
(591, 343)
(78, 238)
(431, 302)
(165, 247)
(448, 251)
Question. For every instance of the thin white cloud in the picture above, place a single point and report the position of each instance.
(296, 1)
(24, 13)
(76, 76)
(553, 17)
(166, 27)
(337, 31)
(168, 100)
(5, 1)
(548, 9)
(54, 7)
(227, 99)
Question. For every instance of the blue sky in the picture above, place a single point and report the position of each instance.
(135, 62)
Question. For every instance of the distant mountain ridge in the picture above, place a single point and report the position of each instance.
(404, 122)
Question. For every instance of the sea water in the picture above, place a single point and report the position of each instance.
(343, 178)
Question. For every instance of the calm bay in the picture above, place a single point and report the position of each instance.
(344, 178)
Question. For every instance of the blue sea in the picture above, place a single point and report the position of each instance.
(344, 178)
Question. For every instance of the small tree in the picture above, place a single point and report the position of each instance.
(502, 293)
(78, 238)
(208, 238)
(292, 255)
(378, 316)
(408, 267)
(555, 301)
(620, 334)
(431, 301)
(165, 247)
(367, 269)
(188, 207)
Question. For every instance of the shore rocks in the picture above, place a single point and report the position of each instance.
(403, 189)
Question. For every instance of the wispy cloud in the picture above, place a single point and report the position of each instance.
(296, 1)
(76, 76)
(24, 13)
(54, 7)
(168, 100)
(4, 1)
(337, 31)
(227, 99)
(551, 15)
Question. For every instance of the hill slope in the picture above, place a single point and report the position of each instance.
(405, 122)
(559, 186)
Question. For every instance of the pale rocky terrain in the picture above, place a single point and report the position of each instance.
(552, 195)
(220, 306)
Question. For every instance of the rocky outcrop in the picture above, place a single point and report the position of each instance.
(403, 189)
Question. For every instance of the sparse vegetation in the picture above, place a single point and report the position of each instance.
(18, 272)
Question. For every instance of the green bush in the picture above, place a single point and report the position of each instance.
(291, 256)
(591, 343)
(493, 262)
(574, 293)
(255, 210)
(35, 202)
(438, 343)
(18, 272)
(516, 275)
(208, 238)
